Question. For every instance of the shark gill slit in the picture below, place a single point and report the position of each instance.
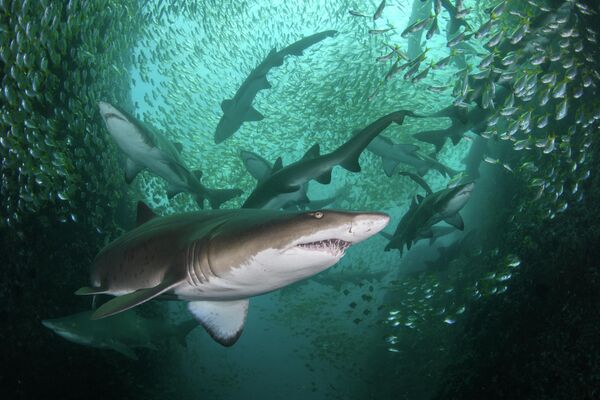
(194, 271)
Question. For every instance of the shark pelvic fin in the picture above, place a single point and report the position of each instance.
(324, 178)
(223, 320)
(131, 170)
(144, 213)
(264, 83)
(127, 301)
(313, 152)
(456, 221)
(253, 115)
(351, 163)
(389, 166)
(226, 105)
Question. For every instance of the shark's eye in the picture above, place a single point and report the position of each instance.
(318, 215)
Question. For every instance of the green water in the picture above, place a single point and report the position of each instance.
(504, 94)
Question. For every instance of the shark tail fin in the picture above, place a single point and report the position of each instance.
(216, 197)
(183, 329)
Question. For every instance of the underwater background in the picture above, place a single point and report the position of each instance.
(504, 94)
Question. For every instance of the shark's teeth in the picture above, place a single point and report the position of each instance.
(334, 246)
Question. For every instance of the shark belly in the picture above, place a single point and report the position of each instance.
(257, 276)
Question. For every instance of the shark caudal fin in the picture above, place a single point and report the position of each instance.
(216, 197)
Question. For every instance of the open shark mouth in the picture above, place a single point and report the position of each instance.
(336, 247)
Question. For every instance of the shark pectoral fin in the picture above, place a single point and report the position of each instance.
(253, 115)
(456, 221)
(144, 213)
(131, 170)
(223, 320)
(123, 349)
(389, 166)
(90, 290)
(226, 105)
(127, 301)
(324, 178)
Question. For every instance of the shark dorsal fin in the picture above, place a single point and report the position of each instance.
(313, 152)
(278, 165)
(144, 213)
(226, 105)
(178, 146)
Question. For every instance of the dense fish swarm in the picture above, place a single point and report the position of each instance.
(57, 62)
(535, 88)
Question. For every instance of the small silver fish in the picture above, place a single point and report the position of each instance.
(417, 26)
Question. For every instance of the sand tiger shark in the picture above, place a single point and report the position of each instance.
(423, 213)
(238, 109)
(144, 148)
(313, 165)
(261, 169)
(121, 333)
(392, 154)
(217, 259)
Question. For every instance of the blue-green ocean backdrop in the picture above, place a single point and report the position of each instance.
(505, 94)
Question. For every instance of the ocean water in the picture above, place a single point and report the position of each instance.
(472, 125)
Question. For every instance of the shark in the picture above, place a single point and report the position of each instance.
(215, 260)
(261, 169)
(313, 165)
(392, 154)
(239, 109)
(145, 148)
(423, 213)
(122, 332)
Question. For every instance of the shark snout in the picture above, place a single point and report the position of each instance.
(364, 226)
